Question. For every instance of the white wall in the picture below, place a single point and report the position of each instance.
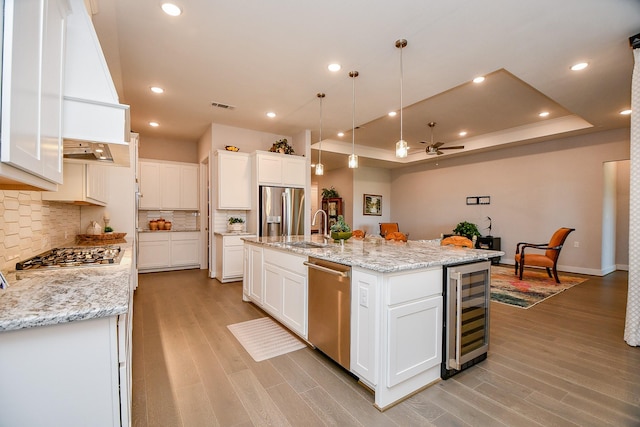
(534, 190)
(372, 181)
(622, 215)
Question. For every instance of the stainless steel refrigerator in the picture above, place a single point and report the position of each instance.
(281, 211)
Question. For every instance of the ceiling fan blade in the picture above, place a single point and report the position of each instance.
(438, 152)
(438, 144)
(457, 147)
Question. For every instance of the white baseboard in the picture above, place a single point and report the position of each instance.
(623, 267)
(571, 269)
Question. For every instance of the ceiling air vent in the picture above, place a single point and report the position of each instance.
(223, 106)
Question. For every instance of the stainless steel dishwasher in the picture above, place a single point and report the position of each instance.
(330, 309)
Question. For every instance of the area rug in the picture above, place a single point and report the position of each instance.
(535, 287)
(263, 338)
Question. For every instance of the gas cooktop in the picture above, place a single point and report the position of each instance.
(73, 257)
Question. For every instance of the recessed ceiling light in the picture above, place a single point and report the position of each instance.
(544, 114)
(154, 124)
(156, 89)
(334, 67)
(625, 112)
(271, 114)
(478, 79)
(340, 134)
(171, 9)
(579, 66)
(392, 113)
(463, 133)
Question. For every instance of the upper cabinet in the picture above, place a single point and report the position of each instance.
(281, 169)
(85, 184)
(168, 185)
(32, 82)
(234, 180)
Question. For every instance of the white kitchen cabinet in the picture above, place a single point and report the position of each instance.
(32, 81)
(82, 365)
(154, 251)
(234, 180)
(396, 330)
(168, 250)
(185, 249)
(230, 257)
(281, 169)
(253, 281)
(168, 185)
(83, 184)
(285, 289)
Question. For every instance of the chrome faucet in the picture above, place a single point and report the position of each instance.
(326, 235)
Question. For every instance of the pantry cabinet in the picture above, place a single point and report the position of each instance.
(280, 169)
(83, 184)
(168, 250)
(234, 180)
(32, 81)
(168, 185)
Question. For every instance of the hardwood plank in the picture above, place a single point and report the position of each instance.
(194, 407)
(327, 409)
(261, 408)
(293, 406)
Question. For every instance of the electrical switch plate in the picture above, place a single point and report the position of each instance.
(364, 297)
(576, 244)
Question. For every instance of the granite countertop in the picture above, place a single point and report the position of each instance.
(233, 233)
(377, 254)
(60, 295)
(173, 230)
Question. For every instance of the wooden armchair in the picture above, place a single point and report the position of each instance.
(549, 259)
(388, 227)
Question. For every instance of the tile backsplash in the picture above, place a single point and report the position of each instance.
(29, 225)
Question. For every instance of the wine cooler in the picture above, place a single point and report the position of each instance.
(466, 317)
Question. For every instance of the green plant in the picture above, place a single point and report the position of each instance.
(467, 229)
(282, 146)
(236, 220)
(108, 229)
(328, 193)
(340, 225)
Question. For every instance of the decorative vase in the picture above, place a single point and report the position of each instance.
(340, 235)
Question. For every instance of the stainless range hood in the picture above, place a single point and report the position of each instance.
(93, 118)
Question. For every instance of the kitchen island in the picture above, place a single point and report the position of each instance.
(396, 303)
(65, 345)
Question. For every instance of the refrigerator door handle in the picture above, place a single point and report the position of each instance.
(285, 215)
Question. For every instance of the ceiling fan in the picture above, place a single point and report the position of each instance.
(435, 148)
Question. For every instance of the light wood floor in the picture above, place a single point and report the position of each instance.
(561, 363)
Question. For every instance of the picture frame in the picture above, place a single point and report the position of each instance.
(372, 204)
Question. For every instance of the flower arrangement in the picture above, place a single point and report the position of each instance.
(282, 146)
(235, 224)
(236, 220)
(340, 230)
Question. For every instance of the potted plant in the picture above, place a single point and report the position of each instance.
(340, 230)
(329, 193)
(235, 224)
(282, 146)
(467, 229)
(108, 229)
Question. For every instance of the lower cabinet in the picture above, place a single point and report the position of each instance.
(281, 288)
(229, 257)
(396, 331)
(81, 368)
(161, 251)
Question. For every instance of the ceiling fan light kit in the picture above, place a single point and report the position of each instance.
(402, 147)
(435, 148)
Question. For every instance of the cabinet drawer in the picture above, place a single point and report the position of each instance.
(285, 260)
(154, 237)
(412, 286)
(184, 235)
(233, 240)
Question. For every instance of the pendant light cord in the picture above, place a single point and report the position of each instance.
(401, 79)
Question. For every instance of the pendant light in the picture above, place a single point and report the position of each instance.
(401, 146)
(319, 165)
(353, 158)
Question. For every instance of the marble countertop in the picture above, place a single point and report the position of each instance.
(60, 295)
(233, 233)
(377, 254)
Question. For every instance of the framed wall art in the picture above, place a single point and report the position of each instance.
(372, 205)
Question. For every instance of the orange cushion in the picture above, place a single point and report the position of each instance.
(357, 233)
(536, 259)
(457, 241)
(396, 236)
(388, 227)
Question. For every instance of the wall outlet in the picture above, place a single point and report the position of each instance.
(364, 297)
(576, 244)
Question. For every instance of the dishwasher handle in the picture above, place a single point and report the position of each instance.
(326, 269)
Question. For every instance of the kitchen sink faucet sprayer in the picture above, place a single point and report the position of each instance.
(326, 224)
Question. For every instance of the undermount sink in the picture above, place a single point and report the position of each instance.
(307, 245)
